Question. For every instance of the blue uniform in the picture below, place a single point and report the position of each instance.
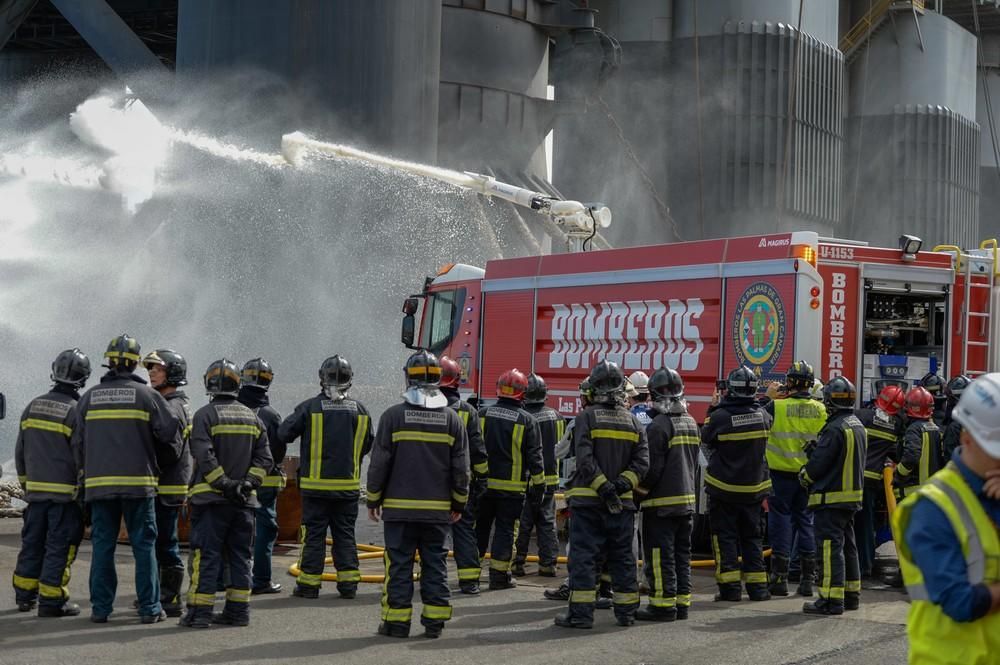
(641, 413)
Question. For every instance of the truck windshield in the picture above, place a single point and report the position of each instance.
(441, 319)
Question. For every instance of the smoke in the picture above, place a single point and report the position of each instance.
(226, 254)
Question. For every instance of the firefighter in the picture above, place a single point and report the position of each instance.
(255, 381)
(834, 476)
(167, 372)
(884, 426)
(935, 385)
(668, 499)
(53, 522)
(921, 455)
(125, 432)
(542, 519)
(611, 456)
(797, 420)
(418, 484)
(463, 532)
(639, 401)
(737, 482)
(944, 534)
(232, 457)
(335, 435)
(952, 431)
(516, 470)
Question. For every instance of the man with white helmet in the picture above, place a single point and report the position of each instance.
(638, 396)
(948, 543)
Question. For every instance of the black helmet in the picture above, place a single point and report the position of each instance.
(173, 364)
(537, 390)
(422, 369)
(957, 386)
(839, 394)
(742, 382)
(606, 379)
(800, 374)
(336, 372)
(933, 384)
(666, 383)
(71, 367)
(123, 351)
(222, 378)
(257, 373)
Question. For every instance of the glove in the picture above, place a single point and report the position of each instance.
(231, 490)
(804, 478)
(246, 490)
(536, 493)
(610, 497)
(621, 485)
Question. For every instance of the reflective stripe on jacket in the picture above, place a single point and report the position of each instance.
(735, 437)
(935, 638)
(836, 466)
(610, 444)
(673, 461)
(43, 455)
(551, 427)
(922, 456)
(513, 448)
(175, 478)
(797, 422)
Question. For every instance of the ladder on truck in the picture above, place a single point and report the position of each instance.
(982, 262)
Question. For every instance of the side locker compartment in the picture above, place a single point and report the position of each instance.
(508, 328)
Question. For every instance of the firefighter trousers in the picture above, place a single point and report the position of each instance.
(338, 516)
(221, 533)
(140, 521)
(463, 539)
(501, 512)
(839, 572)
(667, 557)
(865, 525)
(594, 532)
(403, 541)
(788, 515)
(541, 519)
(266, 532)
(736, 532)
(50, 536)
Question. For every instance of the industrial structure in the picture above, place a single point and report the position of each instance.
(689, 118)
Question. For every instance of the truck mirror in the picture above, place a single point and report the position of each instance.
(410, 306)
(3, 406)
(407, 332)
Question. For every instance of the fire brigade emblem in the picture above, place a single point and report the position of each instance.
(759, 327)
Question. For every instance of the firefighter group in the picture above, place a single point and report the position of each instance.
(482, 477)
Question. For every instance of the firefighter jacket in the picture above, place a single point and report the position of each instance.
(610, 444)
(335, 434)
(513, 447)
(951, 438)
(735, 437)
(921, 457)
(227, 440)
(669, 485)
(884, 434)
(470, 418)
(835, 471)
(124, 431)
(258, 401)
(797, 421)
(419, 470)
(175, 478)
(551, 427)
(43, 456)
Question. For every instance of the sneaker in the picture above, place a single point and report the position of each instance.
(224, 619)
(604, 603)
(469, 589)
(67, 610)
(153, 618)
(265, 589)
(393, 630)
(561, 594)
(566, 621)
(309, 592)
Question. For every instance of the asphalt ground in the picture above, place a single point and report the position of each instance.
(513, 626)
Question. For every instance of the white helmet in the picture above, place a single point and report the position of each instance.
(816, 392)
(629, 389)
(640, 382)
(978, 411)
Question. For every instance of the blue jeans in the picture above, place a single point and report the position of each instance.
(787, 514)
(140, 521)
(266, 534)
(168, 548)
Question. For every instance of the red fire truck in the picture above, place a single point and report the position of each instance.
(868, 313)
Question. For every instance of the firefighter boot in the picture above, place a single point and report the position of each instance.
(469, 588)
(852, 600)
(547, 571)
(517, 568)
(348, 590)
(65, 610)
(758, 592)
(779, 575)
(823, 606)
(224, 619)
(729, 593)
(656, 613)
(579, 615)
(808, 575)
(605, 596)
(310, 592)
(394, 629)
(562, 593)
(197, 617)
(682, 612)
(500, 580)
(170, 589)
(28, 605)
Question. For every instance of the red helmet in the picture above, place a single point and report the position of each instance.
(891, 399)
(451, 373)
(512, 384)
(919, 403)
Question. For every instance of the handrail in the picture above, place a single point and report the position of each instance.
(871, 20)
(991, 244)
